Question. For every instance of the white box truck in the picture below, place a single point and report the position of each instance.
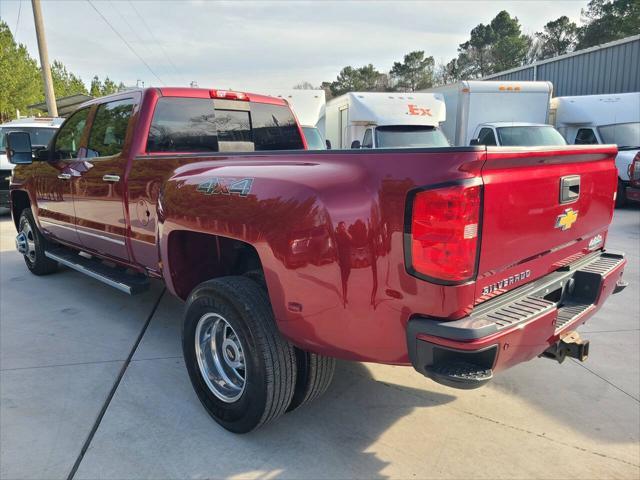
(385, 120)
(40, 129)
(498, 113)
(308, 106)
(612, 118)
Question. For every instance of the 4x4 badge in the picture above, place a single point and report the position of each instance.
(566, 220)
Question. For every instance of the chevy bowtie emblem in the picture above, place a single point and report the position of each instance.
(566, 220)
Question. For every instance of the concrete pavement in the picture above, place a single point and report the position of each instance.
(62, 351)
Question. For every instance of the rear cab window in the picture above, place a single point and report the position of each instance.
(196, 125)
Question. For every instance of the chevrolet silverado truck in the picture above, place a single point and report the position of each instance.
(459, 261)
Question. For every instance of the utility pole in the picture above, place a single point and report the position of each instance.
(49, 95)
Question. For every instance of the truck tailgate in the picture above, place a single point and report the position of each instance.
(541, 209)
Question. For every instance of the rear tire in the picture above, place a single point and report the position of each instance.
(244, 376)
(315, 373)
(37, 262)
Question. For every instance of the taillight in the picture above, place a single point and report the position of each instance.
(445, 224)
(634, 171)
(229, 95)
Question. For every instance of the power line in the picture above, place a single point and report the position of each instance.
(15, 31)
(125, 42)
(155, 40)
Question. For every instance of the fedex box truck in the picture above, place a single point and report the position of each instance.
(308, 106)
(385, 120)
(498, 113)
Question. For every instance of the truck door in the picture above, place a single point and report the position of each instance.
(99, 187)
(54, 179)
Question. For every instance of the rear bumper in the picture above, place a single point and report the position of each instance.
(633, 194)
(516, 326)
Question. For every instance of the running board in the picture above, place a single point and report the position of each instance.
(115, 277)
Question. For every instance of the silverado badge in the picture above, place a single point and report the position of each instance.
(566, 220)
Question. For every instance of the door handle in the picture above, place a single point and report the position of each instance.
(111, 178)
(64, 176)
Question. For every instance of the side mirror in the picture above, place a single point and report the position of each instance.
(355, 144)
(19, 148)
(475, 141)
(328, 142)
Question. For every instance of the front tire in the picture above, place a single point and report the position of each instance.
(241, 368)
(34, 257)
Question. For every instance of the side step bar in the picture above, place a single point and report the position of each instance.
(115, 277)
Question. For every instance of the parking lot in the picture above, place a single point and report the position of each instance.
(66, 341)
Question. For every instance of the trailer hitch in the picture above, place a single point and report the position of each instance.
(571, 345)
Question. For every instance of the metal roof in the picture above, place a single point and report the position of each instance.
(66, 105)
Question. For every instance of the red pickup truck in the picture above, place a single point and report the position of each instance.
(459, 261)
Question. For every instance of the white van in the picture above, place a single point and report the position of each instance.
(613, 118)
(41, 130)
(308, 106)
(385, 120)
(498, 113)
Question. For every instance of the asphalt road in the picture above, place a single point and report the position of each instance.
(65, 340)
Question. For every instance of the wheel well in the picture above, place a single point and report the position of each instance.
(196, 257)
(19, 201)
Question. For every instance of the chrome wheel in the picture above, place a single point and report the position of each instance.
(27, 242)
(220, 357)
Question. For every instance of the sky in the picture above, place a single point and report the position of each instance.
(258, 45)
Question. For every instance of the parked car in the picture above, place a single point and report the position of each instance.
(385, 120)
(40, 129)
(498, 113)
(459, 261)
(602, 119)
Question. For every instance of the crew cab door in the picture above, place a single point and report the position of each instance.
(99, 186)
(54, 179)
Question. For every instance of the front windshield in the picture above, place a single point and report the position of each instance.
(530, 136)
(40, 136)
(313, 138)
(622, 134)
(409, 136)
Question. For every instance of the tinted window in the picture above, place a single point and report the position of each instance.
(68, 139)
(486, 137)
(367, 141)
(530, 136)
(109, 128)
(183, 125)
(274, 128)
(234, 130)
(407, 136)
(39, 136)
(586, 136)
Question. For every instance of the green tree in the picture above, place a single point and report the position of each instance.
(448, 73)
(304, 86)
(96, 87)
(20, 77)
(557, 38)
(362, 79)
(65, 83)
(608, 20)
(108, 87)
(492, 48)
(414, 73)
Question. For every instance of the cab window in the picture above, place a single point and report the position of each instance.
(367, 141)
(67, 141)
(486, 137)
(109, 128)
(586, 136)
(274, 128)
